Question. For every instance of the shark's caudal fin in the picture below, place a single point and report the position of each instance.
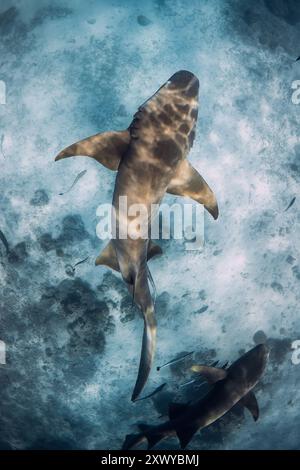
(147, 353)
(107, 148)
(187, 182)
(142, 297)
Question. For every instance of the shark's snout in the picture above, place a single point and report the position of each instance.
(263, 351)
(185, 81)
(260, 355)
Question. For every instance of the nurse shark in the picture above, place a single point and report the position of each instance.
(231, 386)
(150, 158)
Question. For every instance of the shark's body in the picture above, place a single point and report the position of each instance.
(150, 160)
(231, 386)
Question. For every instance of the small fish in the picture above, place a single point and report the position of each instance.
(298, 58)
(189, 382)
(4, 241)
(80, 262)
(290, 204)
(80, 175)
(157, 390)
(70, 270)
(175, 360)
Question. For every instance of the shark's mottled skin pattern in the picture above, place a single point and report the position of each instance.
(150, 159)
(231, 386)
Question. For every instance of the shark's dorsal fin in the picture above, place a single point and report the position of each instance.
(211, 374)
(108, 257)
(188, 183)
(249, 401)
(107, 148)
(185, 434)
(176, 409)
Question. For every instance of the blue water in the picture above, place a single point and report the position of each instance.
(75, 68)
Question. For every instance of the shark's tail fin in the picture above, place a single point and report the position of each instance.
(147, 353)
(142, 297)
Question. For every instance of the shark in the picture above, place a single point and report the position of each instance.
(229, 387)
(150, 158)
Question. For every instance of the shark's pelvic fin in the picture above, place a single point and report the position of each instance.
(149, 432)
(187, 182)
(176, 409)
(185, 434)
(107, 148)
(249, 401)
(153, 250)
(211, 374)
(131, 440)
(108, 257)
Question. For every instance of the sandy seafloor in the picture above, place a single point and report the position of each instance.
(72, 69)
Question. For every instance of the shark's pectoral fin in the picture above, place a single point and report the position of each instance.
(185, 434)
(187, 182)
(249, 401)
(176, 409)
(107, 148)
(108, 257)
(211, 374)
(153, 250)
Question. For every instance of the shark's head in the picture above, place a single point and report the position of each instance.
(185, 83)
(250, 367)
(170, 115)
(181, 92)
